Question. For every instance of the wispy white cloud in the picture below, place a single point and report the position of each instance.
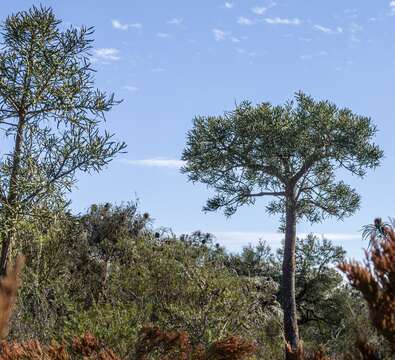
(314, 55)
(158, 69)
(340, 236)
(344, 67)
(236, 240)
(246, 52)
(259, 10)
(354, 30)
(175, 21)
(163, 35)
(106, 54)
(392, 7)
(283, 21)
(229, 5)
(220, 35)
(155, 162)
(328, 31)
(351, 13)
(116, 24)
(304, 39)
(131, 88)
(245, 21)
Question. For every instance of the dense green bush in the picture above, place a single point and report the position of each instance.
(108, 272)
(329, 311)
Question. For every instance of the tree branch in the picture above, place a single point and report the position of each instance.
(58, 176)
(9, 99)
(305, 168)
(320, 206)
(3, 199)
(268, 193)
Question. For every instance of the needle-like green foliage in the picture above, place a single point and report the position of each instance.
(50, 113)
(257, 150)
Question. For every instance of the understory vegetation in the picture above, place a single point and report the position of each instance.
(109, 276)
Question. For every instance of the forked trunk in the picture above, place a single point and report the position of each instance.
(288, 284)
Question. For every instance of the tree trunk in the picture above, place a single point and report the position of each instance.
(10, 211)
(288, 283)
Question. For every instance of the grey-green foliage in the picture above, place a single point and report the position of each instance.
(329, 312)
(108, 273)
(261, 150)
(321, 296)
(48, 103)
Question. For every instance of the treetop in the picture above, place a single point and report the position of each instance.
(276, 150)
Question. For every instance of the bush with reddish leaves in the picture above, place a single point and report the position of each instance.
(176, 345)
(376, 281)
(85, 347)
(166, 344)
(154, 344)
(231, 348)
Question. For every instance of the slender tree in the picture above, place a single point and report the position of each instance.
(290, 153)
(50, 114)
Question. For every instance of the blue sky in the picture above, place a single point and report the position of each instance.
(172, 60)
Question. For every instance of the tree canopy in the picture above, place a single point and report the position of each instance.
(255, 151)
(50, 115)
(47, 96)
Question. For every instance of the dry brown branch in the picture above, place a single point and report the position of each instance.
(85, 347)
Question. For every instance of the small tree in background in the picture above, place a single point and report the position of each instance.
(50, 114)
(322, 299)
(290, 153)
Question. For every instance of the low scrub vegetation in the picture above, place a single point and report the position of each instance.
(105, 285)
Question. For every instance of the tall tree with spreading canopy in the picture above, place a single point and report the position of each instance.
(291, 153)
(50, 113)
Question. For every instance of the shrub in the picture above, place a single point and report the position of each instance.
(376, 281)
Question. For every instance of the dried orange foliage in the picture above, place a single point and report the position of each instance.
(367, 351)
(165, 345)
(301, 355)
(90, 348)
(176, 346)
(168, 344)
(32, 350)
(9, 285)
(294, 354)
(85, 347)
(233, 347)
(376, 281)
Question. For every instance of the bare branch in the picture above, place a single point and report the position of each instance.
(305, 168)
